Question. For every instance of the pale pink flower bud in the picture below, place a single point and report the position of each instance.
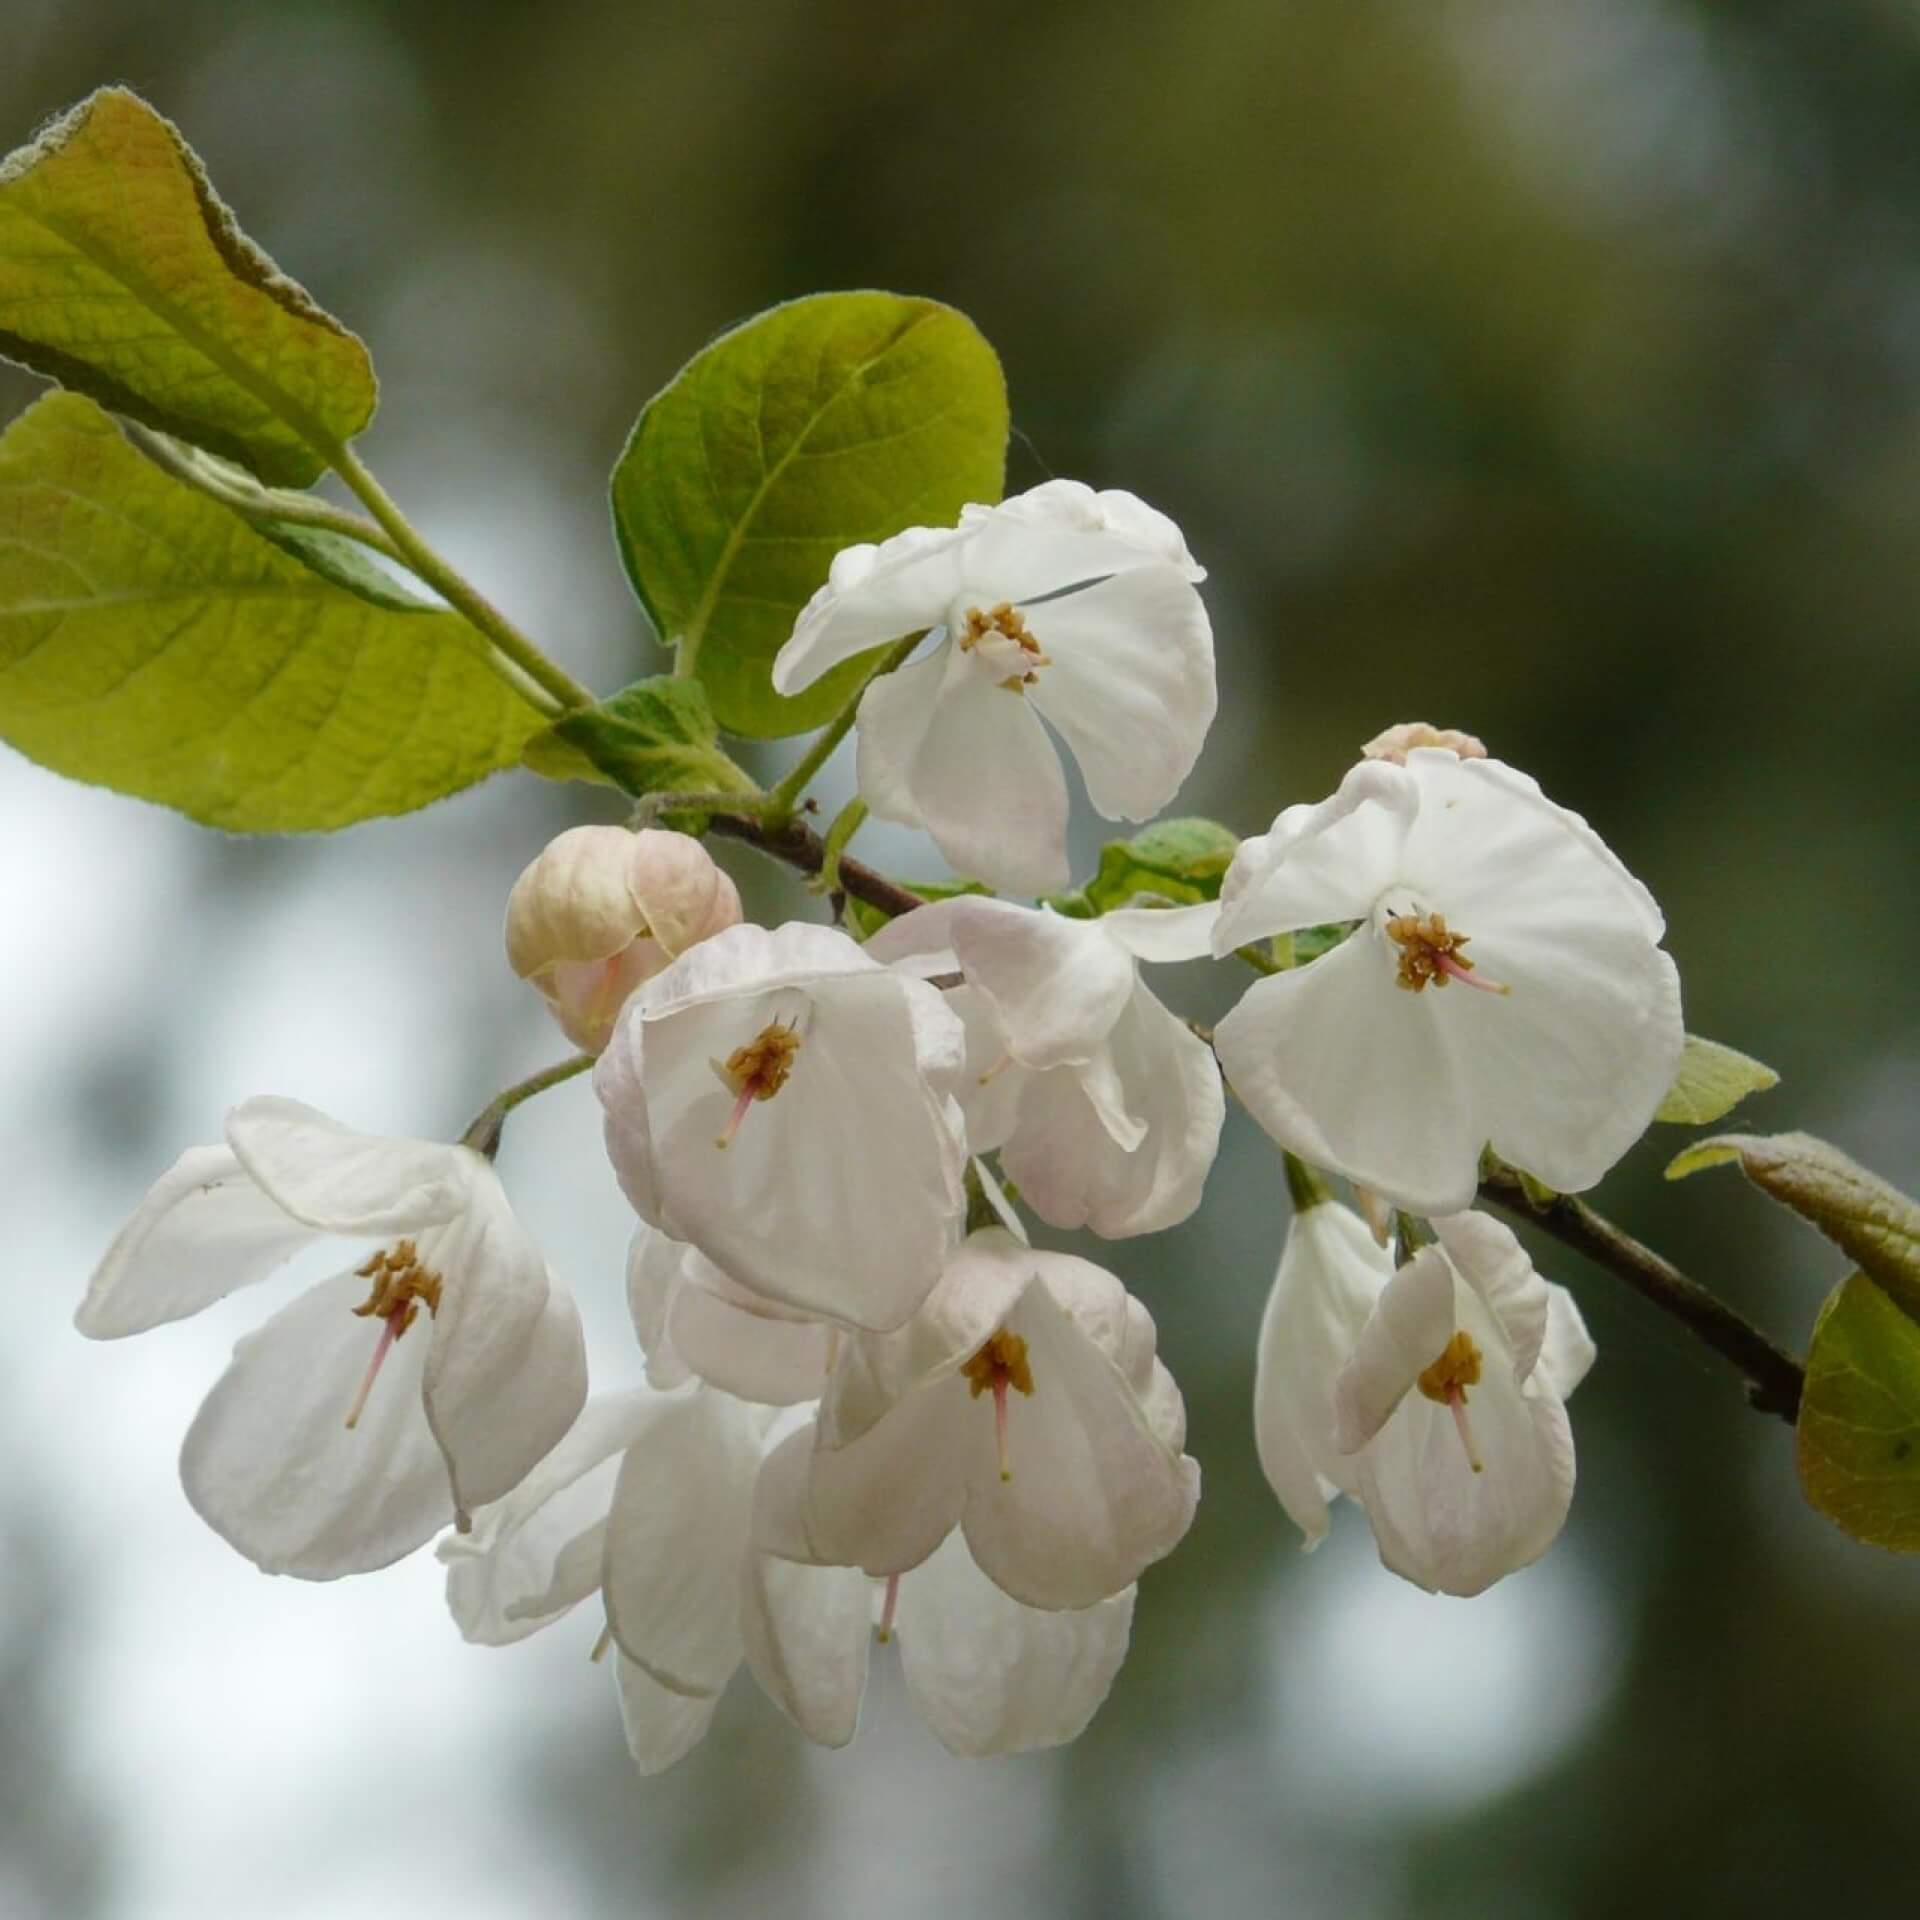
(602, 910)
(1397, 742)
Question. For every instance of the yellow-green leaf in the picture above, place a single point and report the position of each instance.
(1859, 1425)
(656, 736)
(1712, 1081)
(1181, 861)
(123, 276)
(1872, 1221)
(841, 418)
(152, 642)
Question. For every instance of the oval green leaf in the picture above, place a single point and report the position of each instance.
(841, 418)
(1712, 1081)
(1859, 1425)
(1869, 1219)
(656, 736)
(1181, 861)
(124, 277)
(152, 642)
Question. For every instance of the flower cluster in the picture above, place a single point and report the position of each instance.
(871, 1408)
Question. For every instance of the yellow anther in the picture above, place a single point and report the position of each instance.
(1430, 952)
(756, 1071)
(400, 1283)
(993, 625)
(1000, 1364)
(1457, 1369)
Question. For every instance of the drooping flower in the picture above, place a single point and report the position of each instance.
(1105, 1107)
(1023, 1405)
(1434, 1395)
(400, 1394)
(1399, 1055)
(1060, 604)
(601, 910)
(987, 1674)
(784, 1103)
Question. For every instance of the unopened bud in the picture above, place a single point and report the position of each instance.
(603, 910)
(1397, 742)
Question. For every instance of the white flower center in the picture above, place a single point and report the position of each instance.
(997, 639)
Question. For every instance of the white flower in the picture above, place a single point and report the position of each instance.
(1397, 1057)
(299, 1457)
(602, 910)
(785, 1104)
(1433, 1395)
(1105, 1107)
(1121, 667)
(987, 1674)
(1024, 1405)
(695, 1323)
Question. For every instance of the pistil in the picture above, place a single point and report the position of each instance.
(884, 1632)
(1430, 954)
(400, 1283)
(1000, 1364)
(1446, 1383)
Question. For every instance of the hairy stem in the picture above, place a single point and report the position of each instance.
(483, 1136)
(558, 688)
(1774, 1377)
(785, 796)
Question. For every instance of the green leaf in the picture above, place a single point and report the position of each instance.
(841, 418)
(1712, 1081)
(124, 277)
(656, 736)
(1859, 1424)
(152, 642)
(866, 921)
(1181, 861)
(1872, 1222)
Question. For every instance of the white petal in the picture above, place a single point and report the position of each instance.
(991, 1676)
(1072, 1171)
(746, 1346)
(271, 1466)
(538, 1552)
(806, 1631)
(993, 1084)
(676, 1534)
(1320, 863)
(885, 1501)
(1062, 532)
(1163, 933)
(662, 1727)
(654, 1264)
(1568, 1352)
(1349, 1071)
(1408, 1330)
(895, 712)
(339, 1181)
(984, 779)
(506, 1371)
(1488, 1257)
(203, 1230)
(1130, 685)
(1058, 985)
(873, 595)
(1095, 1495)
(1331, 1272)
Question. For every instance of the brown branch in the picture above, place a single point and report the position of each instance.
(1774, 1377)
(799, 846)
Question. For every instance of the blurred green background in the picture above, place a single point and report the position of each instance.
(1549, 368)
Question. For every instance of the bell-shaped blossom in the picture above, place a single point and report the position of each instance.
(695, 1323)
(1024, 1405)
(601, 910)
(783, 1102)
(1433, 1394)
(987, 1674)
(1105, 1107)
(1062, 604)
(1399, 1055)
(404, 1392)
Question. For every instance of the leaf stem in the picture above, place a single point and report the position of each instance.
(559, 688)
(783, 797)
(1774, 1377)
(846, 823)
(483, 1136)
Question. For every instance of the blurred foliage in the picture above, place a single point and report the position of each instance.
(1546, 367)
